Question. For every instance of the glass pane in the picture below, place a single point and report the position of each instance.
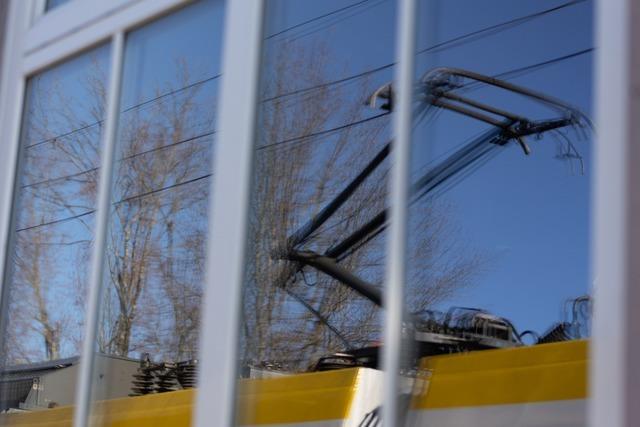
(150, 311)
(311, 317)
(52, 4)
(46, 286)
(497, 295)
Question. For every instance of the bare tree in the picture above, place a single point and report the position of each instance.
(150, 225)
(151, 297)
(294, 321)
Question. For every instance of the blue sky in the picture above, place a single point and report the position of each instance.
(528, 216)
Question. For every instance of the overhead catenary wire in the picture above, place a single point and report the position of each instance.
(123, 200)
(286, 141)
(490, 30)
(290, 140)
(277, 143)
(505, 75)
(132, 156)
(322, 132)
(517, 71)
(456, 41)
(126, 110)
(56, 221)
(303, 138)
(323, 26)
(317, 18)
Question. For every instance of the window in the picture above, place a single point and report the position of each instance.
(53, 231)
(424, 210)
(497, 168)
(150, 306)
(499, 213)
(312, 292)
(149, 312)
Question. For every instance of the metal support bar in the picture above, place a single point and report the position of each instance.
(98, 262)
(322, 318)
(338, 249)
(457, 161)
(471, 113)
(481, 106)
(552, 102)
(329, 266)
(339, 200)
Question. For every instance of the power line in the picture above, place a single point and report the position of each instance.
(56, 221)
(509, 73)
(125, 200)
(64, 135)
(322, 132)
(199, 82)
(329, 24)
(173, 92)
(533, 67)
(331, 83)
(151, 192)
(86, 171)
(173, 144)
(501, 26)
(517, 71)
(456, 41)
(60, 178)
(506, 74)
(293, 27)
(126, 110)
(159, 190)
(132, 156)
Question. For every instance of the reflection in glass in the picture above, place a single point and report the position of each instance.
(53, 231)
(150, 307)
(501, 171)
(52, 4)
(315, 263)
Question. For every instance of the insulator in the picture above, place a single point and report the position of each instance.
(187, 373)
(166, 378)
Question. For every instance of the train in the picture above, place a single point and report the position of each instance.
(541, 385)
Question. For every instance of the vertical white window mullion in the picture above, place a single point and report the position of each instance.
(228, 216)
(614, 372)
(87, 358)
(398, 201)
(38, 8)
(12, 93)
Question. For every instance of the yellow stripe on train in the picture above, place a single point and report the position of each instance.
(541, 373)
(546, 384)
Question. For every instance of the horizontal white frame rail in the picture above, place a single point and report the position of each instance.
(99, 24)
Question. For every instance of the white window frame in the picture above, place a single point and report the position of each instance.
(36, 40)
(33, 42)
(615, 348)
